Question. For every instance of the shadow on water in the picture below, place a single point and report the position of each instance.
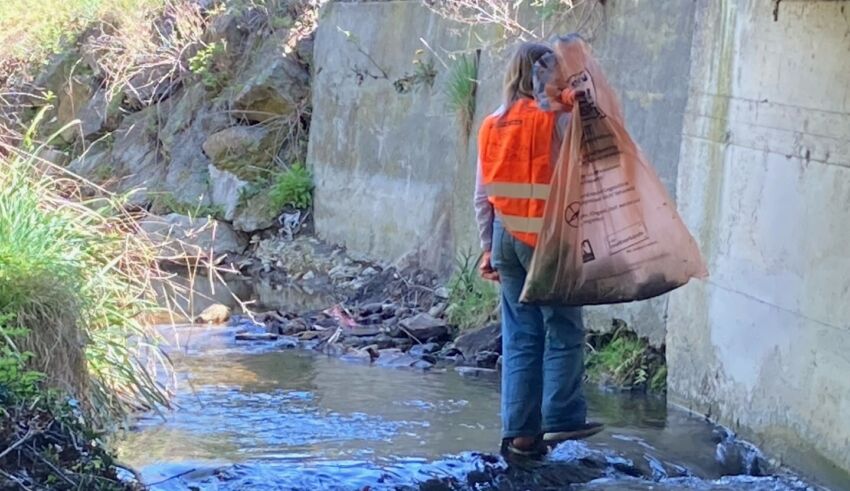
(253, 416)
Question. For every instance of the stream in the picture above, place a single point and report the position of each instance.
(259, 416)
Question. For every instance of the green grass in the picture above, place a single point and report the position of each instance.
(75, 279)
(473, 301)
(624, 360)
(460, 90)
(293, 187)
(165, 203)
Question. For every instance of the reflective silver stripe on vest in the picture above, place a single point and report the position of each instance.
(521, 224)
(517, 190)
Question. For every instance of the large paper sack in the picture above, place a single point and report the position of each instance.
(610, 233)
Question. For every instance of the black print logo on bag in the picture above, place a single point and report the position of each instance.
(587, 251)
(597, 140)
(572, 214)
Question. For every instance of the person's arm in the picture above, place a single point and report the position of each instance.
(483, 212)
(484, 215)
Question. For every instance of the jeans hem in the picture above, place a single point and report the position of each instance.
(519, 433)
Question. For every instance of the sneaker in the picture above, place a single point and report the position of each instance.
(584, 431)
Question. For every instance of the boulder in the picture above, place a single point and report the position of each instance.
(272, 86)
(225, 191)
(424, 349)
(256, 213)
(72, 98)
(246, 151)
(423, 327)
(53, 156)
(487, 338)
(93, 164)
(179, 236)
(214, 314)
(136, 161)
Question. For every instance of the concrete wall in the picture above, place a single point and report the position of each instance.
(385, 162)
(394, 177)
(764, 183)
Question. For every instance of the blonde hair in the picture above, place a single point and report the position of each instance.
(518, 79)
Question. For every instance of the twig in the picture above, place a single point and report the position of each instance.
(17, 444)
(53, 468)
(15, 480)
(170, 478)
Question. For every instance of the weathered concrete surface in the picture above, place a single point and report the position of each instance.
(764, 183)
(384, 162)
(382, 194)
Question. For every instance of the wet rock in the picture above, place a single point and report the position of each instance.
(737, 457)
(487, 338)
(424, 349)
(256, 336)
(423, 327)
(476, 372)
(395, 358)
(486, 359)
(214, 314)
(360, 356)
(180, 236)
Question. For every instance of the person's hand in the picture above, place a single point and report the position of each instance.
(568, 98)
(485, 269)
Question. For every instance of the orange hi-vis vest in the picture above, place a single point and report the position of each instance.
(516, 166)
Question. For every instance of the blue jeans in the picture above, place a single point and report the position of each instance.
(542, 351)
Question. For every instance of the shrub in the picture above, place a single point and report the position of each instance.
(473, 301)
(294, 187)
(76, 281)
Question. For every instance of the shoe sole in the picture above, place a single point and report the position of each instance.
(563, 436)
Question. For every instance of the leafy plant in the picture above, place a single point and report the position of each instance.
(473, 301)
(424, 74)
(293, 187)
(15, 378)
(622, 359)
(460, 90)
(203, 64)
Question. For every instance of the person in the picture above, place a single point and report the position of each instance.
(542, 346)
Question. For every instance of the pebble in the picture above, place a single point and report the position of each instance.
(309, 275)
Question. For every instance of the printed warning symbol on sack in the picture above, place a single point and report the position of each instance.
(597, 140)
(627, 237)
(587, 251)
(572, 214)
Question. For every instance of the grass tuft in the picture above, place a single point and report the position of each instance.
(473, 301)
(460, 90)
(77, 278)
(622, 359)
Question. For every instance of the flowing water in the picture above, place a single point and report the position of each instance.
(255, 416)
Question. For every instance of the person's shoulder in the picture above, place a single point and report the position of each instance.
(498, 113)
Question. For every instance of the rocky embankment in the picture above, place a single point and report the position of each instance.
(389, 315)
